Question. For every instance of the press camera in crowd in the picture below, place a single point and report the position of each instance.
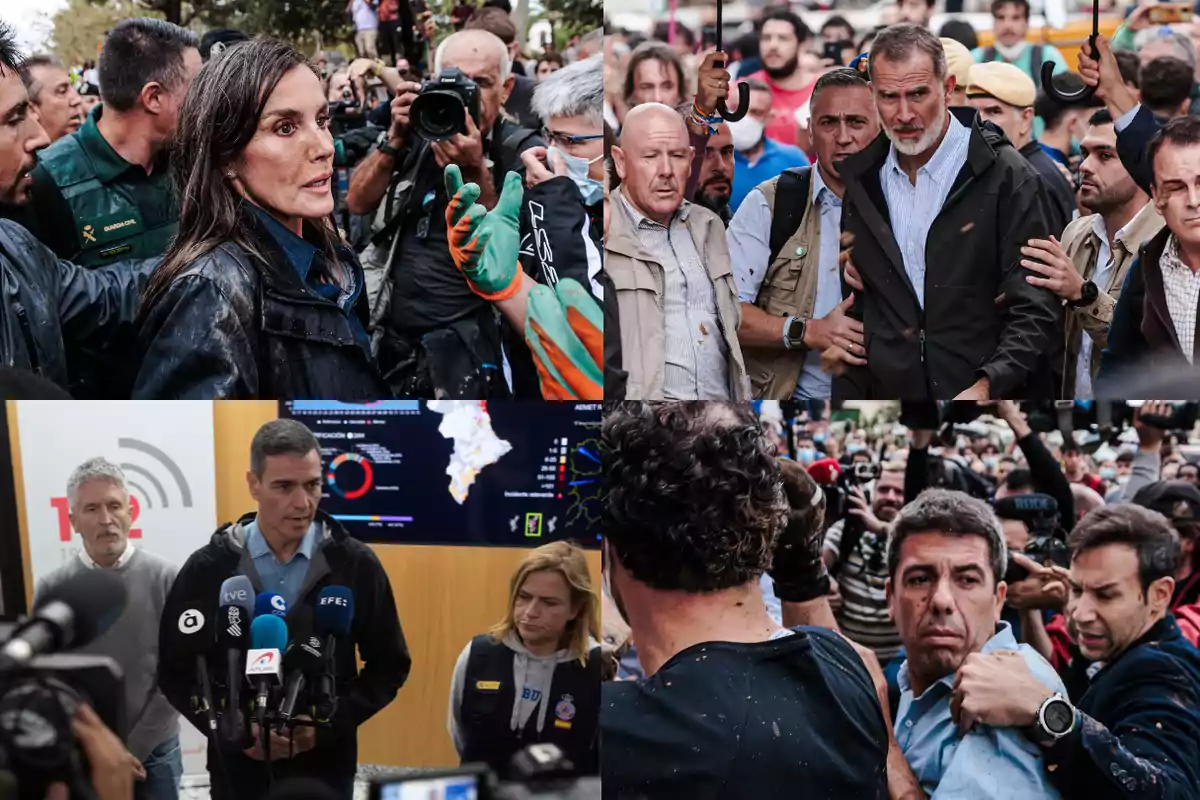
(1047, 539)
(42, 685)
(538, 772)
(443, 103)
(1108, 418)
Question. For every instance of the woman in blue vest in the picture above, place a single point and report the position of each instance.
(535, 678)
(257, 296)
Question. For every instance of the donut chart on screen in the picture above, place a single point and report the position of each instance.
(344, 491)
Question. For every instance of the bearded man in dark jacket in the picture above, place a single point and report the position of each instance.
(935, 214)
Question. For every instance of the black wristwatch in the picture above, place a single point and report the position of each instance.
(793, 333)
(386, 148)
(1087, 295)
(1056, 717)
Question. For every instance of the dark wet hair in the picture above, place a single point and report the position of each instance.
(218, 119)
(693, 497)
(138, 52)
(10, 56)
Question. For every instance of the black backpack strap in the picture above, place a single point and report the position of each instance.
(989, 54)
(1036, 56)
(791, 204)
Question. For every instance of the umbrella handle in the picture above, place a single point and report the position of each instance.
(1068, 97)
(743, 106)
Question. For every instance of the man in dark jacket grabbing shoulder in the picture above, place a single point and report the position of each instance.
(291, 548)
(934, 216)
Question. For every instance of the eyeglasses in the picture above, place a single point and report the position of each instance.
(564, 141)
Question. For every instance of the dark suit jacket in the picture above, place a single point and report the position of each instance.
(520, 103)
(1131, 147)
(1140, 731)
(981, 317)
(1142, 340)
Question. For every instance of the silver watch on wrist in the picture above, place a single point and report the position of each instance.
(793, 333)
(1056, 718)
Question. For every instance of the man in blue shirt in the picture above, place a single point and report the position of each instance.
(946, 560)
(757, 158)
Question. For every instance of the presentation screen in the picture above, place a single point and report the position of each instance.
(507, 473)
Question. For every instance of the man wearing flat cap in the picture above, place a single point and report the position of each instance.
(1179, 502)
(1004, 94)
(958, 62)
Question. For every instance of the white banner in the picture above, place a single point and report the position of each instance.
(166, 451)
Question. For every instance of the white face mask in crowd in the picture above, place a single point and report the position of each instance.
(577, 170)
(747, 132)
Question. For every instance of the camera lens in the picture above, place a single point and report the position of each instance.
(439, 115)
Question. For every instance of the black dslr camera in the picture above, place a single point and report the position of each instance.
(1040, 514)
(442, 105)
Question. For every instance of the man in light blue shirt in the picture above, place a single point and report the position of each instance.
(946, 560)
(843, 122)
(283, 577)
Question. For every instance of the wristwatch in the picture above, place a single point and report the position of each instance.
(1056, 717)
(1087, 295)
(793, 333)
(386, 148)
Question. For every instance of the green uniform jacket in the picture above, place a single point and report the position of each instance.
(94, 208)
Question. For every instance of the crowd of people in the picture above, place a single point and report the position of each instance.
(901, 214)
(968, 601)
(231, 218)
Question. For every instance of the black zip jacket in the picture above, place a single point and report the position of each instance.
(338, 560)
(47, 303)
(981, 317)
(230, 327)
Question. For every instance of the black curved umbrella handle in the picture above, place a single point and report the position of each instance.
(1059, 95)
(743, 106)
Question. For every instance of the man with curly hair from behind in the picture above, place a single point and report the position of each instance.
(733, 705)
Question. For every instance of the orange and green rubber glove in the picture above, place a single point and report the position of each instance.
(564, 328)
(485, 245)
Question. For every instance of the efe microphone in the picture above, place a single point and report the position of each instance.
(335, 613)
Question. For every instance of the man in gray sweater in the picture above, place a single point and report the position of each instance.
(100, 513)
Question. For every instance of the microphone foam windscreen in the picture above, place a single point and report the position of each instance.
(238, 591)
(305, 653)
(270, 603)
(335, 611)
(268, 632)
(96, 599)
(233, 627)
(825, 471)
(195, 631)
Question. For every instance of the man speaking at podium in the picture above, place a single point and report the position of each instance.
(306, 569)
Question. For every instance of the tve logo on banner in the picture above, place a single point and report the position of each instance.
(165, 449)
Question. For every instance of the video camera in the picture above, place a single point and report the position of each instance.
(41, 687)
(1046, 545)
(540, 772)
(443, 103)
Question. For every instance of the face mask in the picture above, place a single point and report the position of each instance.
(747, 132)
(577, 171)
(818, 437)
(989, 462)
(1108, 473)
(853, 448)
(806, 455)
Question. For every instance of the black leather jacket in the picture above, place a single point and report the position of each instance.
(228, 327)
(46, 303)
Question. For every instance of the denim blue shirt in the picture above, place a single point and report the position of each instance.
(301, 254)
(775, 159)
(285, 579)
(986, 764)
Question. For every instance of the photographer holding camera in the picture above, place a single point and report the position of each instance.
(433, 333)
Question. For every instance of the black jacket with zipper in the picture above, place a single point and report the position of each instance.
(338, 560)
(981, 317)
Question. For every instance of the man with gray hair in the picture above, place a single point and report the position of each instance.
(99, 505)
(290, 547)
(564, 203)
(935, 214)
(59, 106)
(946, 560)
(435, 335)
